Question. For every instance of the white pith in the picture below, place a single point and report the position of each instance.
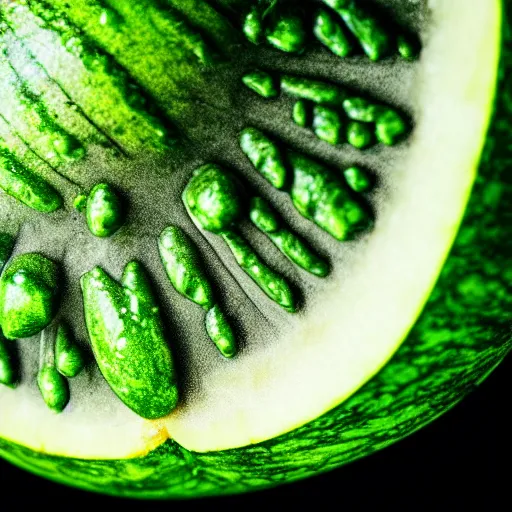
(358, 323)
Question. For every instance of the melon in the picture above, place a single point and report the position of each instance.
(245, 243)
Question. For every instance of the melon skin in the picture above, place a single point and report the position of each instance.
(461, 336)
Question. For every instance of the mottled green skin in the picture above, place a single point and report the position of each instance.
(104, 211)
(300, 113)
(69, 357)
(290, 244)
(25, 186)
(462, 334)
(184, 267)
(128, 340)
(359, 135)
(29, 289)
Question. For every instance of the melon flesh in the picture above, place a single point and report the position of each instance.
(293, 369)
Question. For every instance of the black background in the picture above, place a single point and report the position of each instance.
(460, 462)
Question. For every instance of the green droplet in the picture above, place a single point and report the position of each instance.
(369, 31)
(253, 26)
(69, 358)
(213, 198)
(287, 33)
(271, 283)
(408, 47)
(331, 34)
(360, 109)
(220, 332)
(265, 155)
(290, 244)
(327, 124)
(28, 296)
(261, 83)
(184, 268)
(390, 127)
(80, 203)
(358, 179)
(359, 135)
(127, 336)
(54, 388)
(313, 90)
(104, 212)
(301, 114)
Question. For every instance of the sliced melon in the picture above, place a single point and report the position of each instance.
(291, 369)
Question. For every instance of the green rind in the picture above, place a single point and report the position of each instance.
(462, 334)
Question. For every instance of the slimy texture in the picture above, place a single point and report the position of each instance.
(22, 184)
(265, 155)
(127, 336)
(104, 211)
(261, 83)
(185, 271)
(53, 386)
(336, 115)
(213, 198)
(331, 34)
(317, 193)
(321, 197)
(29, 290)
(184, 268)
(290, 244)
(69, 358)
(368, 29)
(358, 179)
(343, 27)
(274, 286)
(220, 332)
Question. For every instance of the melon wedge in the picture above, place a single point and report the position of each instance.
(359, 368)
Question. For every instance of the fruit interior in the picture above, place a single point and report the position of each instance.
(292, 368)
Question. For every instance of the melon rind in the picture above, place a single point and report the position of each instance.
(462, 334)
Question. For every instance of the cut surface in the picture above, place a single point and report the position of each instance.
(293, 369)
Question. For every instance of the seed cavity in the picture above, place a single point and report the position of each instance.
(185, 270)
(29, 293)
(213, 198)
(128, 340)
